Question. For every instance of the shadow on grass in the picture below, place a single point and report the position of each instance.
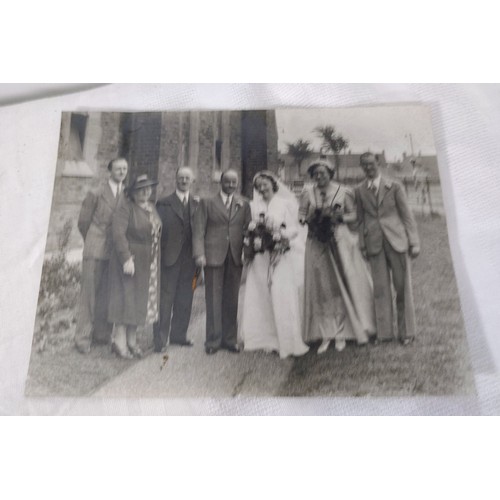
(437, 363)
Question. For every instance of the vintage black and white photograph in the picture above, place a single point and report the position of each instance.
(263, 253)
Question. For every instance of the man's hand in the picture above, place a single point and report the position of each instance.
(414, 252)
(200, 261)
(302, 221)
(129, 267)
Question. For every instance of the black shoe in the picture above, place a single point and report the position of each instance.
(232, 348)
(185, 343)
(211, 350)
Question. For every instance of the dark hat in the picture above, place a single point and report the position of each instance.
(141, 181)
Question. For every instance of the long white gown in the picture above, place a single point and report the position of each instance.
(272, 308)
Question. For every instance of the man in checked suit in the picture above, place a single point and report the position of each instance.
(388, 239)
(217, 245)
(177, 263)
(94, 224)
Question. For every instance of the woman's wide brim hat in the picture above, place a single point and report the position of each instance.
(317, 163)
(141, 181)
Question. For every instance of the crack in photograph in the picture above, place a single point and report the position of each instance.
(248, 253)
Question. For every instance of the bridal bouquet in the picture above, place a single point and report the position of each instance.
(262, 236)
(323, 222)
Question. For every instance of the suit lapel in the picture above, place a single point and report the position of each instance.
(108, 196)
(383, 188)
(193, 205)
(369, 194)
(235, 206)
(220, 206)
(176, 205)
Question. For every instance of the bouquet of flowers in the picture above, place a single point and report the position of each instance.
(323, 222)
(262, 236)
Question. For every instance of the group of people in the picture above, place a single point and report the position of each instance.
(346, 262)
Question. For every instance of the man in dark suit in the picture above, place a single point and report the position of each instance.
(177, 263)
(94, 224)
(388, 239)
(217, 245)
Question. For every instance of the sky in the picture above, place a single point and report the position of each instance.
(373, 128)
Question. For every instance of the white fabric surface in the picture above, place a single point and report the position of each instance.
(466, 122)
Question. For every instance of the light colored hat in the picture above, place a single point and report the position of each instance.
(318, 163)
(265, 173)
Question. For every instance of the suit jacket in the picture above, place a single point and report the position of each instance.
(174, 232)
(386, 214)
(217, 231)
(94, 222)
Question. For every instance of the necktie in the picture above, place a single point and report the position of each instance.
(373, 188)
(185, 201)
(118, 189)
(228, 203)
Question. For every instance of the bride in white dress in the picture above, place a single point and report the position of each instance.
(271, 318)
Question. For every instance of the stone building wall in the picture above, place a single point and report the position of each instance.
(235, 140)
(102, 142)
(158, 144)
(171, 130)
(272, 141)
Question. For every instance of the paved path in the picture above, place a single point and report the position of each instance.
(189, 372)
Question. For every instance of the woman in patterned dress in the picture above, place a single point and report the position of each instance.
(134, 272)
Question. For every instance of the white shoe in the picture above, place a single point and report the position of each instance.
(323, 347)
(340, 345)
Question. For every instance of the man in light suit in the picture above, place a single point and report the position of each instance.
(388, 239)
(94, 224)
(177, 263)
(217, 245)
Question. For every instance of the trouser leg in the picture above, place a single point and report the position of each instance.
(183, 301)
(230, 293)
(382, 295)
(214, 277)
(101, 327)
(161, 329)
(397, 261)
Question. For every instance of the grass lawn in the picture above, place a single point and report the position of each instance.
(435, 364)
